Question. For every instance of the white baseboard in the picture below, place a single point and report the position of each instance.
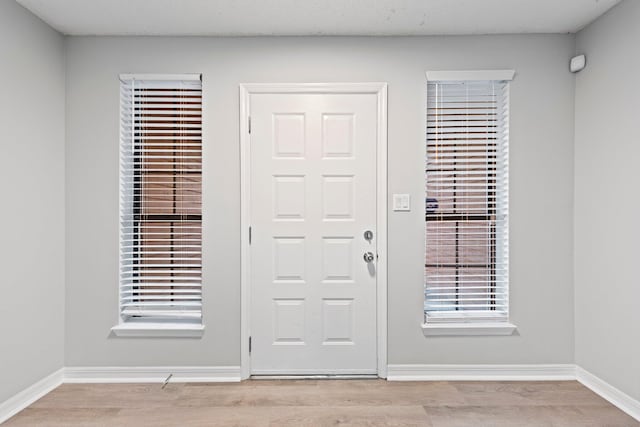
(563, 372)
(481, 372)
(26, 397)
(608, 392)
(151, 374)
(559, 372)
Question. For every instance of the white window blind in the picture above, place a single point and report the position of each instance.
(467, 256)
(161, 199)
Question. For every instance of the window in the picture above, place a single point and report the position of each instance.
(160, 205)
(467, 206)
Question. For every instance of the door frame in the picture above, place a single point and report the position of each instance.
(378, 89)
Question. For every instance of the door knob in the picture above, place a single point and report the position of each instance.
(369, 257)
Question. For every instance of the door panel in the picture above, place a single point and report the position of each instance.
(313, 195)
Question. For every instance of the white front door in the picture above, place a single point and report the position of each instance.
(313, 198)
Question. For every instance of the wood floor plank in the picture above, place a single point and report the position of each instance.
(501, 393)
(49, 417)
(300, 403)
(373, 416)
(324, 393)
(529, 416)
(110, 396)
(294, 416)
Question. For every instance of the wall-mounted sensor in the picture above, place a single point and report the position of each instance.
(577, 63)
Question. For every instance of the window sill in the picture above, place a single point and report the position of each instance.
(162, 330)
(468, 329)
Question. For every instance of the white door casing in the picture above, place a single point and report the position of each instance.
(314, 180)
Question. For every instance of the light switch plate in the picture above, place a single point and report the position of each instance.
(401, 202)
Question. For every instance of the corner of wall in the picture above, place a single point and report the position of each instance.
(65, 41)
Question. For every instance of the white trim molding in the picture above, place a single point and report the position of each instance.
(325, 88)
(158, 374)
(608, 392)
(152, 77)
(559, 372)
(380, 90)
(468, 329)
(26, 397)
(547, 372)
(470, 75)
(156, 330)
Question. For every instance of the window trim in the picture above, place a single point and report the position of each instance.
(164, 330)
(468, 329)
(460, 327)
(470, 75)
(142, 328)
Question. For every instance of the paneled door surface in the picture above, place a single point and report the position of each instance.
(313, 235)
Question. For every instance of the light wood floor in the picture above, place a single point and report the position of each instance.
(324, 403)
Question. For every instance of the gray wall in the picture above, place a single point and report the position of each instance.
(32, 186)
(541, 186)
(607, 202)
(32, 114)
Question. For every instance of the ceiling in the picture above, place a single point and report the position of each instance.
(316, 17)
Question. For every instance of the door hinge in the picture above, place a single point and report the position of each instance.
(249, 234)
(249, 345)
(249, 123)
